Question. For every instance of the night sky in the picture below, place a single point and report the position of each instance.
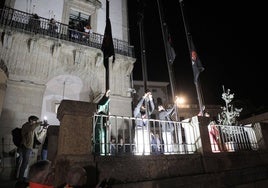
(229, 40)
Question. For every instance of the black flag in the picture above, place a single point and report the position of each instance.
(107, 46)
(171, 51)
(107, 43)
(196, 63)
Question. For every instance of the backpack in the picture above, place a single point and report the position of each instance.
(16, 136)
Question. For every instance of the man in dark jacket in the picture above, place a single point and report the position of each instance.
(28, 133)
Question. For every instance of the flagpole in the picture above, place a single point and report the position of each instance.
(142, 43)
(106, 60)
(197, 84)
(170, 55)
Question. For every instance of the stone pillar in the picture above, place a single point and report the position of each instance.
(75, 139)
(76, 119)
(204, 135)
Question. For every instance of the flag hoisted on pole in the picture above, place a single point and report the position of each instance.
(169, 50)
(107, 46)
(172, 54)
(107, 43)
(196, 63)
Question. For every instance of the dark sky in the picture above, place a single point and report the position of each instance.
(228, 37)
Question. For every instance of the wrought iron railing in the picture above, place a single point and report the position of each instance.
(25, 22)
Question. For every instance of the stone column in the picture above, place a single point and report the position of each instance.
(76, 119)
(204, 135)
(75, 138)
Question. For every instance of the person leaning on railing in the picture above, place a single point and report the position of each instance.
(52, 27)
(34, 23)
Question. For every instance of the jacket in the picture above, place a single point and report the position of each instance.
(164, 115)
(137, 112)
(28, 132)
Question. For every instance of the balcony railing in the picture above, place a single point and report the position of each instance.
(25, 22)
(117, 135)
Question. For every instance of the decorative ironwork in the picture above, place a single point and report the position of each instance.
(12, 19)
(229, 113)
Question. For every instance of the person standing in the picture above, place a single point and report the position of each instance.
(167, 128)
(28, 134)
(101, 125)
(87, 32)
(52, 27)
(34, 23)
(142, 113)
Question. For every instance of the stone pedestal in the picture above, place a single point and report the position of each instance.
(75, 127)
(75, 137)
(204, 135)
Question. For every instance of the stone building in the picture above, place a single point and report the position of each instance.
(39, 68)
(42, 69)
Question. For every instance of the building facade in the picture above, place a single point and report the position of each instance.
(40, 67)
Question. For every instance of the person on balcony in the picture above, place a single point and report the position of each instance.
(142, 113)
(34, 23)
(87, 32)
(52, 26)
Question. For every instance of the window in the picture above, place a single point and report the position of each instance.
(77, 20)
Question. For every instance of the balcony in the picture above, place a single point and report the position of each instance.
(12, 19)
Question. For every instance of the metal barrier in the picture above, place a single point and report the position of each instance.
(118, 135)
(232, 138)
(25, 22)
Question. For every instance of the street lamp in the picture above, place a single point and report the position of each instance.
(180, 101)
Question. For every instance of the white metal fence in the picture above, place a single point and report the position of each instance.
(118, 135)
(233, 138)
